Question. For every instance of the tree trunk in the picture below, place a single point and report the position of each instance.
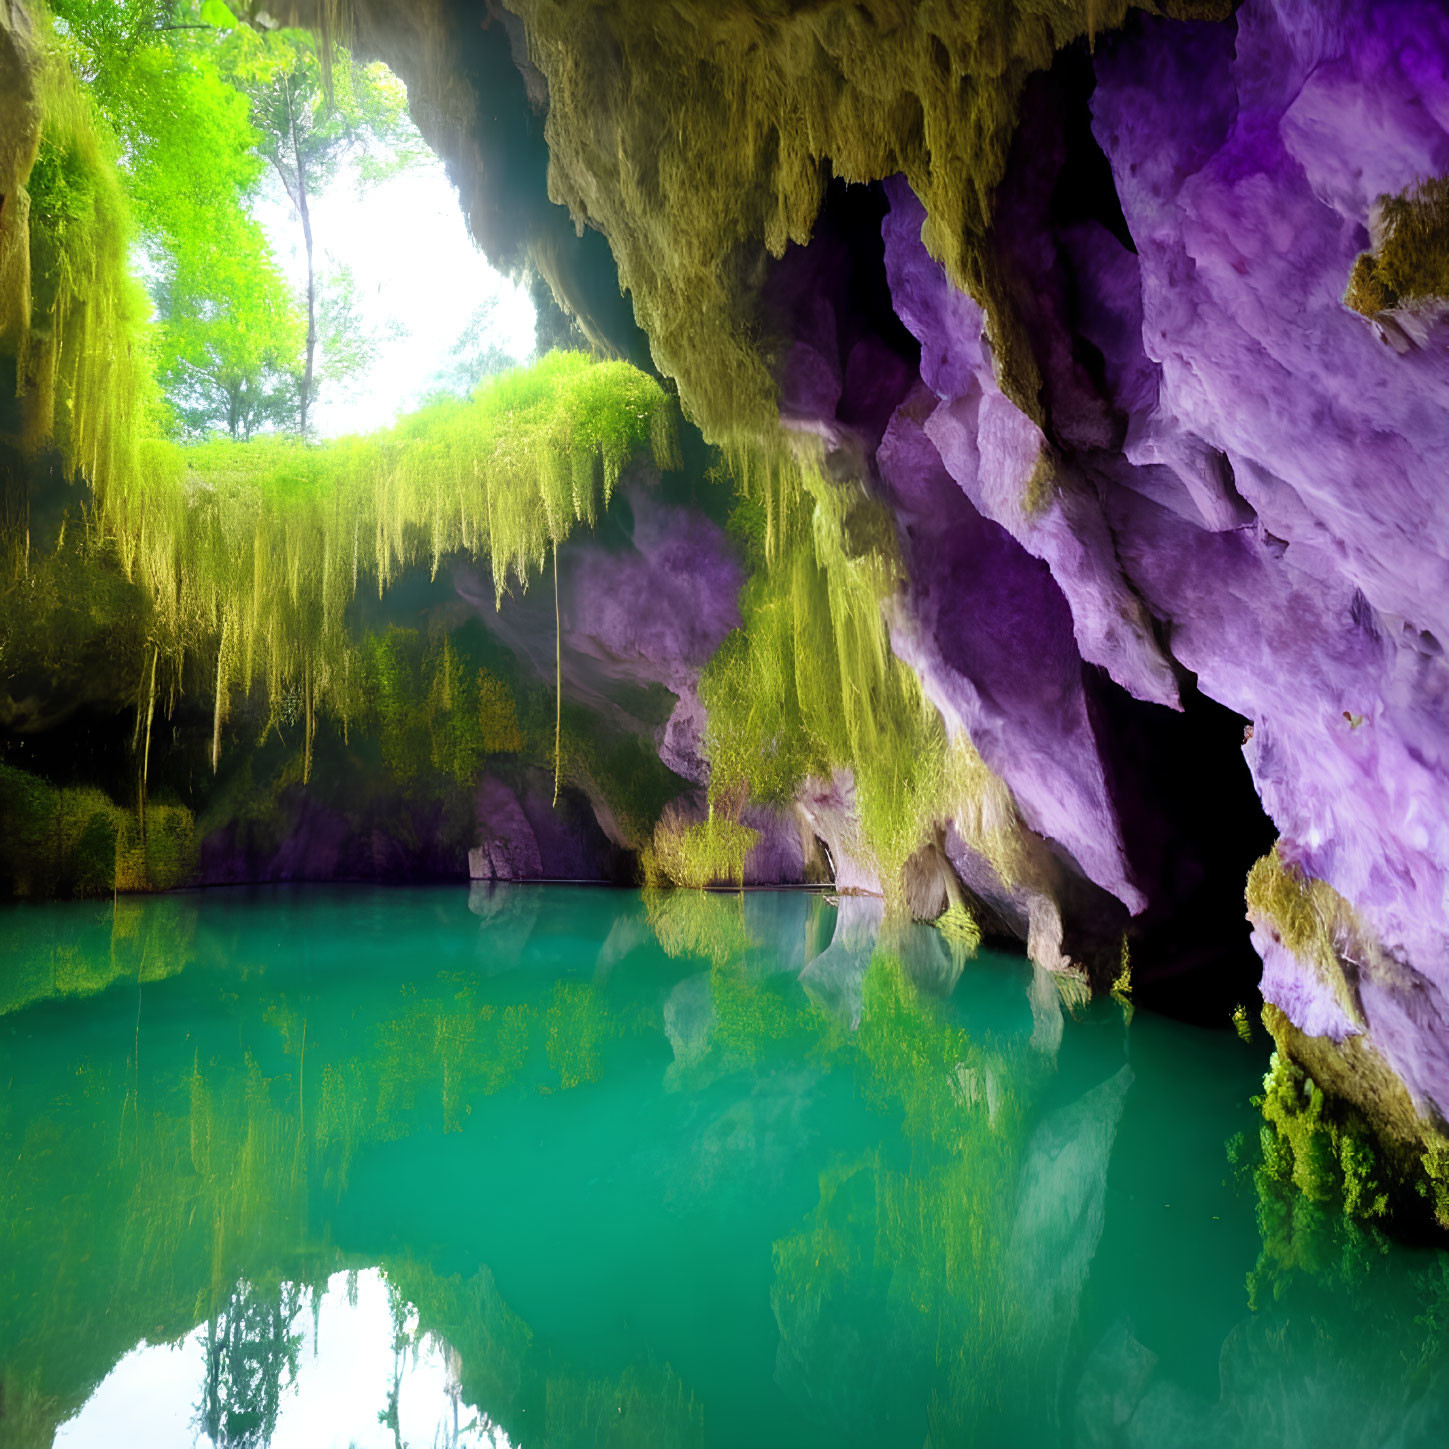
(305, 399)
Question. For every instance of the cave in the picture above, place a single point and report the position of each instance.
(723, 724)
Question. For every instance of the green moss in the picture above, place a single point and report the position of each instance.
(621, 771)
(1410, 263)
(79, 842)
(809, 685)
(1435, 1184)
(84, 374)
(706, 853)
(1309, 917)
(1122, 986)
(959, 927)
(1328, 1159)
(724, 124)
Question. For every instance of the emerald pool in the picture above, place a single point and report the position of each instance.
(553, 1166)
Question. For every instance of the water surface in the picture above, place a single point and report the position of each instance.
(561, 1167)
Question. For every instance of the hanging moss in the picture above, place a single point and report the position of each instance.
(958, 926)
(809, 685)
(1410, 262)
(255, 549)
(696, 135)
(83, 373)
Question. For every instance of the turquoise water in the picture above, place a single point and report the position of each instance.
(561, 1167)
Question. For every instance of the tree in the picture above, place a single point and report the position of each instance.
(476, 353)
(252, 1351)
(229, 339)
(204, 107)
(309, 131)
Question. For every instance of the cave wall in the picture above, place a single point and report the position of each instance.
(1184, 586)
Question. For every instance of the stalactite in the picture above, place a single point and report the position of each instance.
(146, 755)
(307, 724)
(557, 683)
(220, 694)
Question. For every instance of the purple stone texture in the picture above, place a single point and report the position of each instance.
(978, 603)
(643, 603)
(646, 602)
(990, 634)
(1247, 163)
(991, 449)
(523, 835)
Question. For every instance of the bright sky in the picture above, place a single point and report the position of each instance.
(416, 269)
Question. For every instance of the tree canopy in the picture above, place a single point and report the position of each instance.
(206, 112)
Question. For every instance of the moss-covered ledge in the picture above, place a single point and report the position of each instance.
(1340, 1125)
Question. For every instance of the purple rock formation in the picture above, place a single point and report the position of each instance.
(1234, 478)
(1247, 167)
(523, 835)
(646, 602)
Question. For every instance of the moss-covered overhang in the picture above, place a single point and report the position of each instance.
(698, 138)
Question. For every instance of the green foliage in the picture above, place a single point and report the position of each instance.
(254, 550)
(1410, 263)
(706, 853)
(435, 714)
(78, 842)
(1435, 1184)
(203, 109)
(1322, 1186)
(309, 129)
(72, 630)
(82, 370)
(229, 334)
(1122, 986)
(316, 109)
(959, 927)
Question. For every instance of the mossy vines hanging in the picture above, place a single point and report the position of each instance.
(251, 552)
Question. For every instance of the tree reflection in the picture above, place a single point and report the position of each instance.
(252, 1349)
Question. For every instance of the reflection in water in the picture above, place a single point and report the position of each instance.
(283, 1367)
(557, 1167)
